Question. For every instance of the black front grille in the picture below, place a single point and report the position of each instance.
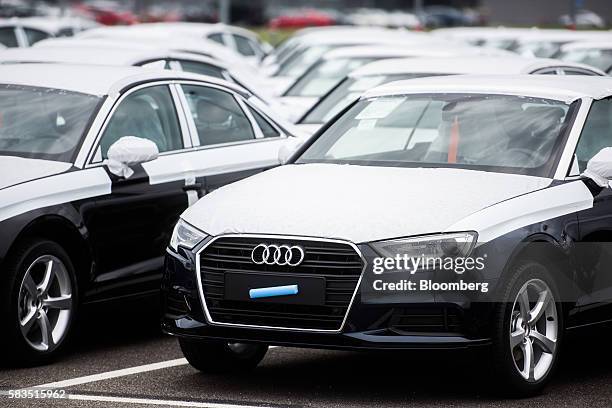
(339, 263)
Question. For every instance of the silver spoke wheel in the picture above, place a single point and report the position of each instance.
(533, 330)
(45, 303)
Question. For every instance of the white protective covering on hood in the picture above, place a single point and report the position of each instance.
(15, 170)
(355, 203)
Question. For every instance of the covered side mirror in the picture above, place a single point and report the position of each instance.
(291, 145)
(129, 151)
(599, 168)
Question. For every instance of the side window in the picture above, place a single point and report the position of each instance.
(201, 68)
(266, 128)
(217, 116)
(577, 71)
(148, 113)
(244, 46)
(8, 37)
(547, 71)
(217, 37)
(597, 132)
(35, 36)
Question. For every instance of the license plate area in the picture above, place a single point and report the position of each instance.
(311, 289)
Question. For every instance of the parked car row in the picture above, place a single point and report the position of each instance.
(257, 187)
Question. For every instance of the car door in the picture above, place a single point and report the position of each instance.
(131, 227)
(594, 250)
(232, 139)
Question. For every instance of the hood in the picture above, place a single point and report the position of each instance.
(355, 203)
(16, 170)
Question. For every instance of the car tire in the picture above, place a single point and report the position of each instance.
(217, 357)
(38, 303)
(525, 354)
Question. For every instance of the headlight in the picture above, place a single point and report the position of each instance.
(454, 245)
(186, 236)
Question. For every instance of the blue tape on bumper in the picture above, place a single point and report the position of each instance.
(273, 291)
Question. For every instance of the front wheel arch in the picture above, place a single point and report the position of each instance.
(63, 232)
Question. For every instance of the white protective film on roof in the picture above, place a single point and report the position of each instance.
(557, 87)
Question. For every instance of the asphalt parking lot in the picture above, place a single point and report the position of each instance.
(127, 338)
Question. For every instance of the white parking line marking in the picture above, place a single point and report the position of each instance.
(147, 401)
(114, 374)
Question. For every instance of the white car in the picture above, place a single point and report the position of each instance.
(311, 47)
(595, 53)
(133, 55)
(24, 32)
(380, 72)
(323, 75)
(496, 37)
(97, 163)
(240, 40)
(547, 43)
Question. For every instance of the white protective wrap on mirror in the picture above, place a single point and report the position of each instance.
(599, 168)
(128, 151)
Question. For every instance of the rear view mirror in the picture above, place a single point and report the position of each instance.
(129, 151)
(599, 168)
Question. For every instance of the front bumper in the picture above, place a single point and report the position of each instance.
(425, 323)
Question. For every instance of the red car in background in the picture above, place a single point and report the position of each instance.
(301, 19)
(105, 14)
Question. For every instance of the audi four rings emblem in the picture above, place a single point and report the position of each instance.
(281, 255)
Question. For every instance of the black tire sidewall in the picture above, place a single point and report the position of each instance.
(503, 362)
(15, 348)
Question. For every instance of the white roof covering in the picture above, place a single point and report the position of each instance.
(365, 36)
(463, 65)
(425, 50)
(160, 40)
(89, 79)
(97, 55)
(199, 29)
(558, 87)
(588, 45)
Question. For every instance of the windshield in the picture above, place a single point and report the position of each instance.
(324, 76)
(43, 123)
(347, 92)
(300, 60)
(500, 133)
(601, 59)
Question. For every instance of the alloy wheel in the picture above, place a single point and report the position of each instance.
(533, 330)
(45, 303)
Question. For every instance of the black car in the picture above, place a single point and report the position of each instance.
(96, 165)
(448, 213)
